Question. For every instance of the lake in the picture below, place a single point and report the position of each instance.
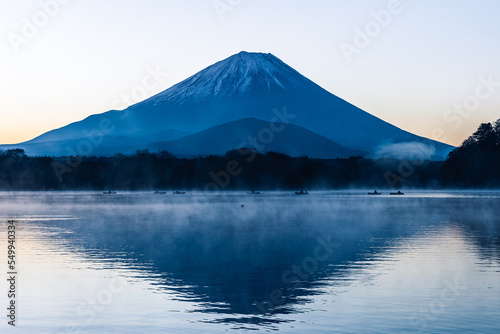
(327, 262)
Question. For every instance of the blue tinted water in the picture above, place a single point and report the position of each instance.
(328, 262)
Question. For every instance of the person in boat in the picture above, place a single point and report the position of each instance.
(398, 193)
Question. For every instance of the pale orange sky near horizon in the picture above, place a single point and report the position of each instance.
(431, 69)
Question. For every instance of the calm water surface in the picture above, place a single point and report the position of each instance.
(328, 262)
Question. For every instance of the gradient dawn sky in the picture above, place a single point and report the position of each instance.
(429, 67)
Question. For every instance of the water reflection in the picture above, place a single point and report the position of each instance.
(279, 257)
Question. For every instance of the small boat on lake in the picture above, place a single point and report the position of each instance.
(398, 193)
(253, 192)
(109, 192)
(375, 193)
(302, 192)
(179, 192)
(160, 192)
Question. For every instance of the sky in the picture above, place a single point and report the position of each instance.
(429, 67)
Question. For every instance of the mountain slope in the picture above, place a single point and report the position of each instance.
(237, 76)
(248, 85)
(291, 139)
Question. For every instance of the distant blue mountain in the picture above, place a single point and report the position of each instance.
(244, 86)
(291, 140)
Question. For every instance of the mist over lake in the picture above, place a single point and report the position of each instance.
(332, 261)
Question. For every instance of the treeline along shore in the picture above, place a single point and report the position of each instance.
(475, 164)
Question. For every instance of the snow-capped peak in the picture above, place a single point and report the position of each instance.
(241, 74)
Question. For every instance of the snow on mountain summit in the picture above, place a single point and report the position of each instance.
(241, 74)
(244, 86)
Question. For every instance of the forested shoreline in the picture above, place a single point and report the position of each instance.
(146, 171)
(475, 164)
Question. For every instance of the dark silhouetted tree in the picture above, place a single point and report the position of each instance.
(476, 163)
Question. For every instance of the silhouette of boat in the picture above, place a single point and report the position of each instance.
(254, 192)
(375, 193)
(398, 193)
(109, 192)
(160, 192)
(302, 192)
(178, 192)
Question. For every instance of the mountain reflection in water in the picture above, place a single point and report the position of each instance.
(265, 264)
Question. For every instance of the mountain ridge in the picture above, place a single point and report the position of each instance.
(291, 140)
(241, 71)
(242, 86)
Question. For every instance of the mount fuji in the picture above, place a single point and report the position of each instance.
(221, 107)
